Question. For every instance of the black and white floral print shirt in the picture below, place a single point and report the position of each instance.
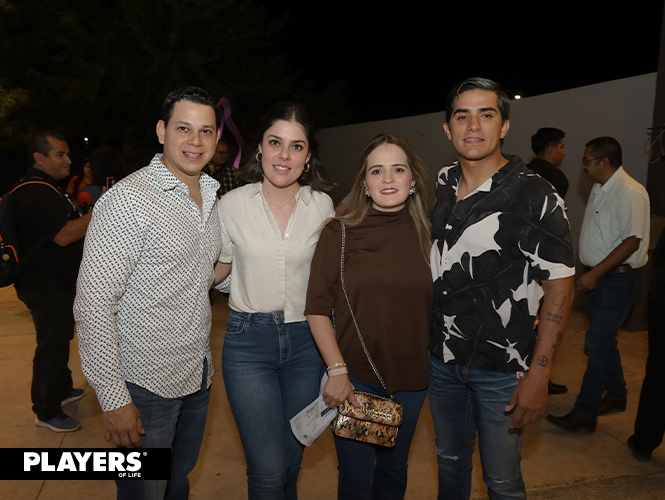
(488, 251)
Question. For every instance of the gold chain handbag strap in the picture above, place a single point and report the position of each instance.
(346, 295)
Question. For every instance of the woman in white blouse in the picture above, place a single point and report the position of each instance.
(270, 228)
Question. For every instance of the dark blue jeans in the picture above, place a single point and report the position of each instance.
(176, 423)
(607, 307)
(371, 472)
(464, 400)
(271, 373)
(51, 311)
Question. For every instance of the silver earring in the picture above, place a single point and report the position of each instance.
(367, 191)
(412, 190)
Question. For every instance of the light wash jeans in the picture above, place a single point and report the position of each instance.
(270, 372)
(464, 400)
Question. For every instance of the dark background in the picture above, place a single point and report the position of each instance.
(101, 68)
(397, 62)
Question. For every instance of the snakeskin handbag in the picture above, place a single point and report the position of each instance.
(378, 418)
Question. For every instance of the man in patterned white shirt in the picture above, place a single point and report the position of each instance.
(142, 296)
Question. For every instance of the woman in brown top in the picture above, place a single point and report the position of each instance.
(389, 284)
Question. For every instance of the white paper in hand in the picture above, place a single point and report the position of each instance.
(312, 420)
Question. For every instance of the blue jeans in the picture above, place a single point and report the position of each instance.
(176, 423)
(607, 307)
(271, 373)
(368, 471)
(464, 400)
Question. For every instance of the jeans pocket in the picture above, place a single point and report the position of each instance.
(235, 325)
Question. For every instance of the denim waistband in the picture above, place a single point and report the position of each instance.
(270, 317)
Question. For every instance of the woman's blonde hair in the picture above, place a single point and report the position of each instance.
(417, 203)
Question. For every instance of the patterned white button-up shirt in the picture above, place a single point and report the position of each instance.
(142, 301)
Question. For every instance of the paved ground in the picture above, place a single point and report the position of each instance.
(556, 465)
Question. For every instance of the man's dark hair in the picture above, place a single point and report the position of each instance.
(39, 142)
(606, 147)
(546, 137)
(191, 94)
(478, 84)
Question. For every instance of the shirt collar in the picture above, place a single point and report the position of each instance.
(511, 171)
(304, 193)
(610, 183)
(168, 181)
(508, 174)
(35, 172)
(539, 162)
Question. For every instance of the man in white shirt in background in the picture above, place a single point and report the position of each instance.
(613, 248)
(142, 296)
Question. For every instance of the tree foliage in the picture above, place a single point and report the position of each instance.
(101, 68)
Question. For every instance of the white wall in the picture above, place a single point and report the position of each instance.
(622, 109)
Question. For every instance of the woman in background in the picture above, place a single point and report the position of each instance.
(389, 285)
(79, 181)
(269, 232)
(105, 163)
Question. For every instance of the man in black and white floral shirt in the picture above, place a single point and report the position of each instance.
(500, 243)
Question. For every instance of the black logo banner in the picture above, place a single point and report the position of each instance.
(85, 463)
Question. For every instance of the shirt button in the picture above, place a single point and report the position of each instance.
(445, 292)
(287, 235)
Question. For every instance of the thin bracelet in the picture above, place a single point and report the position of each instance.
(336, 365)
(337, 371)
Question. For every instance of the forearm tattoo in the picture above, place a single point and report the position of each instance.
(559, 300)
(554, 318)
(556, 344)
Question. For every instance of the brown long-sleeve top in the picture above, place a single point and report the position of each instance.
(390, 289)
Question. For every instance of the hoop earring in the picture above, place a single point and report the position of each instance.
(412, 190)
(258, 157)
(306, 169)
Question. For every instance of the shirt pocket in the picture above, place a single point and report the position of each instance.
(608, 227)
